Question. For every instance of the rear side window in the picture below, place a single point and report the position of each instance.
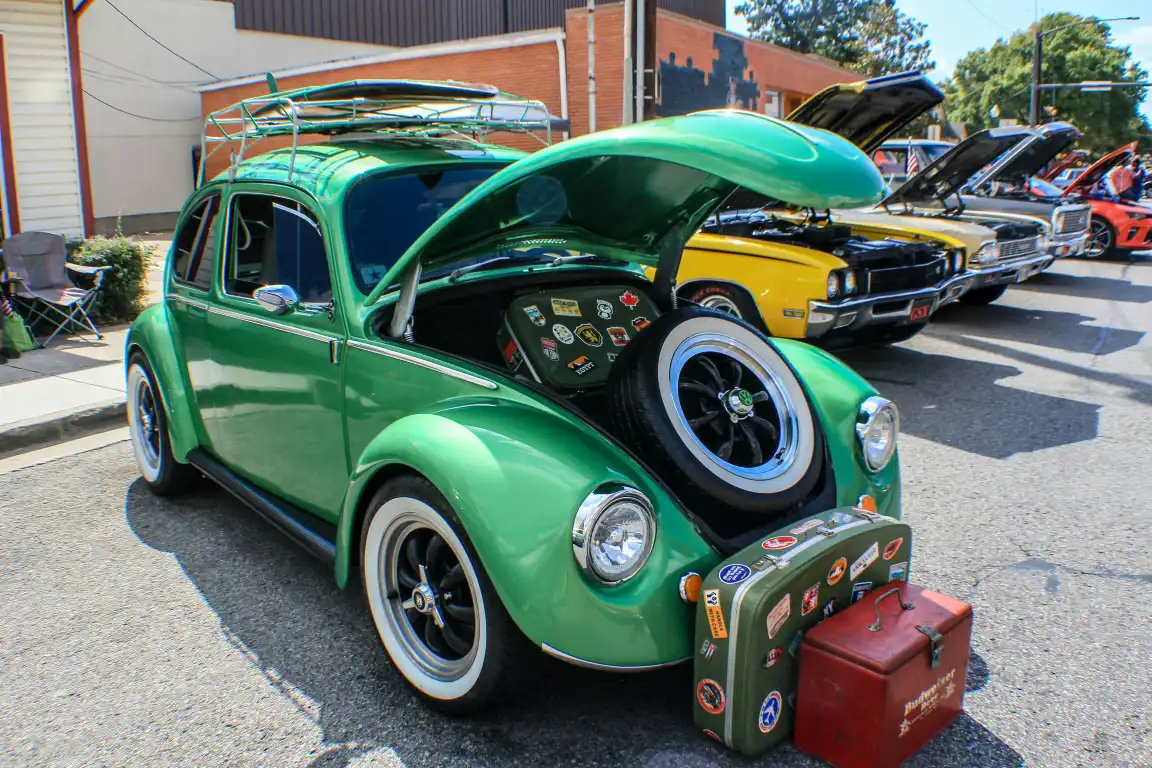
(196, 245)
(276, 241)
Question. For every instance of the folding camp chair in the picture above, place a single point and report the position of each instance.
(38, 263)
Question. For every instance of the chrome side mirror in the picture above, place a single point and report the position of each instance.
(277, 299)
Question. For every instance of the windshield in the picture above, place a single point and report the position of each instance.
(385, 213)
(1041, 187)
(935, 151)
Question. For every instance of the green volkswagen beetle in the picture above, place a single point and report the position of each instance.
(436, 363)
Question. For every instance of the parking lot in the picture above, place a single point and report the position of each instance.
(138, 631)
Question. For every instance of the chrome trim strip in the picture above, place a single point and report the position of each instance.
(919, 293)
(189, 302)
(429, 364)
(738, 600)
(607, 667)
(314, 335)
(1008, 266)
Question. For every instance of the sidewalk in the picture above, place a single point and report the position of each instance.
(74, 386)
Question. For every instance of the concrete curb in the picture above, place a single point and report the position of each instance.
(30, 434)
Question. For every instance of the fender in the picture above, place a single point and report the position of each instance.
(841, 391)
(154, 334)
(485, 457)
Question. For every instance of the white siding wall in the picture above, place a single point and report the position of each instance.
(142, 166)
(40, 106)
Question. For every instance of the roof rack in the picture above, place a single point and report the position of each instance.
(386, 108)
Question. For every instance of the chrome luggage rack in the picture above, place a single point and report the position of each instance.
(378, 108)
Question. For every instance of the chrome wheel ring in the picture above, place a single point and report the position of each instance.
(1101, 240)
(144, 423)
(420, 623)
(776, 399)
(721, 303)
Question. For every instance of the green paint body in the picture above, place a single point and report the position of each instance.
(514, 464)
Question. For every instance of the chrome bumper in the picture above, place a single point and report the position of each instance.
(883, 309)
(1013, 271)
(1070, 245)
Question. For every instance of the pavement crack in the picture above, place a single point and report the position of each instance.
(1055, 570)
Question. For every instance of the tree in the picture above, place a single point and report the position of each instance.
(1000, 77)
(873, 37)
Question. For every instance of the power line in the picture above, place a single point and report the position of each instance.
(141, 117)
(129, 20)
(170, 83)
(981, 12)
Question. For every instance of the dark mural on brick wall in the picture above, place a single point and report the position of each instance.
(685, 88)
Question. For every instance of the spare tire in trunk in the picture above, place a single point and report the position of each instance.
(711, 405)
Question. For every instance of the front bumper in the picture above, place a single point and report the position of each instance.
(1008, 272)
(1069, 245)
(825, 317)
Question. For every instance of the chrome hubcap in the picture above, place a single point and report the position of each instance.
(721, 304)
(740, 403)
(1101, 240)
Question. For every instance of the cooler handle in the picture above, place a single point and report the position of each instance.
(903, 604)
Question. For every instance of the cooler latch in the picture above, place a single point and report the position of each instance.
(935, 647)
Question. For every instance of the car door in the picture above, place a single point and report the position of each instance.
(278, 377)
(188, 294)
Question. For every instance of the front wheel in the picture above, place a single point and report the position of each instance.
(148, 431)
(983, 296)
(1102, 239)
(436, 611)
(726, 298)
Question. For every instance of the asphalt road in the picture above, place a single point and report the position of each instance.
(137, 631)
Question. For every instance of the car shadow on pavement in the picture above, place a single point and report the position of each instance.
(312, 642)
(961, 403)
(1087, 287)
(1042, 327)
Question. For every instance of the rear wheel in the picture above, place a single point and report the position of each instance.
(148, 431)
(1101, 239)
(435, 609)
(723, 297)
(982, 296)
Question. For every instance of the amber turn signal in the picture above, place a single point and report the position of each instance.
(690, 584)
(866, 503)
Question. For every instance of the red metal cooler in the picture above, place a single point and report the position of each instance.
(881, 678)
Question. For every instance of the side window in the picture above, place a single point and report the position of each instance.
(890, 161)
(274, 241)
(196, 245)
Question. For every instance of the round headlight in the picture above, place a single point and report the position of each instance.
(849, 283)
(833, 286)
(988, 254)
(877, 428)
(613, 534)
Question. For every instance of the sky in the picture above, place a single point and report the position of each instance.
(956, 27)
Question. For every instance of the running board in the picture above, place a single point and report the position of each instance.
(288, 518)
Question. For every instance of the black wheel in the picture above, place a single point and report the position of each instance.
(982, 296)
(1101, 239)
(148, 430)
(437, 613)
(724, 297)
(711, 405)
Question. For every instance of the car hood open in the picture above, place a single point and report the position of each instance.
(639, 192)
(868, 112)
(1099, 169)
(944, 177)
(1069, 160)
(1032, 155)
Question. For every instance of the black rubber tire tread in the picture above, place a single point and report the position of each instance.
(642, 423)
(983, 296)
(175, 478)
(512, 664)
(739, 296)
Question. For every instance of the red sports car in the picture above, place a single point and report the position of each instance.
(1117, 225)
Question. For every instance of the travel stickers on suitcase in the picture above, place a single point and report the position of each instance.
(756, 605)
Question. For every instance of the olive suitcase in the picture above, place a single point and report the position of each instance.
(755, 606)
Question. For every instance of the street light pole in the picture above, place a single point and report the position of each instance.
(1037, 57)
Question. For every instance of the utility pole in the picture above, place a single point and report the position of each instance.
(591, 66)
(648, 35)
(1034, 96)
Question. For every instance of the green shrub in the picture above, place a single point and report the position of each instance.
(125, 289)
